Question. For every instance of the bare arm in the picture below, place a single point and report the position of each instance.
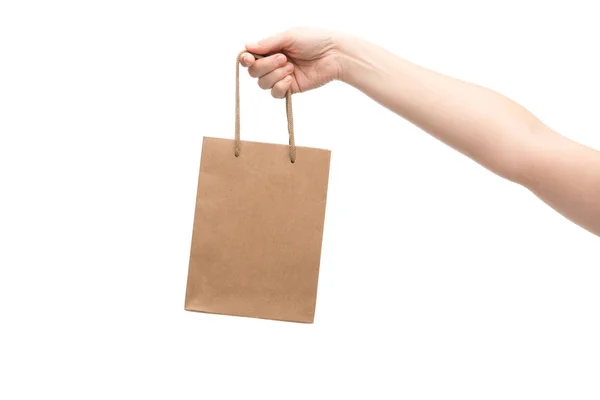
(484, 125)
(491, 129)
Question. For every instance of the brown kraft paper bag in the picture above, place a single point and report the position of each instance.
(258, 227)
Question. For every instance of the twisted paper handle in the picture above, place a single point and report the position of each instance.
(288, 107)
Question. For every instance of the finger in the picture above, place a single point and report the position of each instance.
(269, 80)
(271, 44)
(265, 65)
(281, 87)
(246, 59)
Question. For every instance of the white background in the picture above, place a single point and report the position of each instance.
(438, 279)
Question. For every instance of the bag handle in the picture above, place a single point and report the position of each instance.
(288, 107)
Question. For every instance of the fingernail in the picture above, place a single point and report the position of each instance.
(289, 67)
(288, 78)
(281, 58)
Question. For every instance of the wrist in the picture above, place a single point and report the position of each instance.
(349, 58)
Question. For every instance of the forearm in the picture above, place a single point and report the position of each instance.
(478, 122)
(484, 125)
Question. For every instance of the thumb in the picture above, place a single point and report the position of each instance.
(271, 44)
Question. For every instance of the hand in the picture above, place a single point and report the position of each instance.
(300, 59)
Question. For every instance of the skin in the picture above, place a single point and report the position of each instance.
(486, 126)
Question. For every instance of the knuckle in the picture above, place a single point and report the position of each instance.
(262, 84)
(277, 60)
(278, 90)
(252, 72)
(281, 73)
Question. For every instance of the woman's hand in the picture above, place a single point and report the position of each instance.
(300, 59)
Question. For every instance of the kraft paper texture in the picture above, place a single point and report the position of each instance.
(258, 230)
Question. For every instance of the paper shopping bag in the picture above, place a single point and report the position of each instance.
(258, 227)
